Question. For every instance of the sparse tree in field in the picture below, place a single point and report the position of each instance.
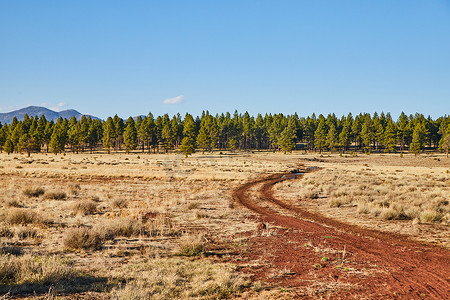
(130, 135)
(444, 143)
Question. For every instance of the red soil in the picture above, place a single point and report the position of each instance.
(312, 255)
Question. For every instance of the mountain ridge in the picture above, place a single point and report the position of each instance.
(31, 111)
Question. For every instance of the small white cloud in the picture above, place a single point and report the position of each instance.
(175, 100)
(59, 106)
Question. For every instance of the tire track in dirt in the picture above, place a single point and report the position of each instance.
(415, 268)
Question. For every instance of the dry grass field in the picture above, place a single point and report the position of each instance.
(153, 225)
(408, 195)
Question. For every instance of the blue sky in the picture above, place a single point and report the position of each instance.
(134, 57)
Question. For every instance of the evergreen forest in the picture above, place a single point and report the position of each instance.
(274, 132)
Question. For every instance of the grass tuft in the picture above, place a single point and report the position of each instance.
(84, 207)
(33, 192)
(56, 196)
(83, 239)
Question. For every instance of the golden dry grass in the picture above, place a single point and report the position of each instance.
(376, 191)
(140, 226)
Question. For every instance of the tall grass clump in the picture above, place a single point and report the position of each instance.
(178, 278)
(84, 207)
(125, 227)
(56, 196)
(28, 269)
(22, 216)
(83, 239)
(191, 246)
(33, 192)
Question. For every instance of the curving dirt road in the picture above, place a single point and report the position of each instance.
(359, 263)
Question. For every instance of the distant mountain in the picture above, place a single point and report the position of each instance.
(39, 111)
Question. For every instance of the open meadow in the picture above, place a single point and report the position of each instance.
(140, 226)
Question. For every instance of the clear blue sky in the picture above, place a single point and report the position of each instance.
(128, 57)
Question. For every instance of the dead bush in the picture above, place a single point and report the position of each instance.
(22, 216)
(6, 232)
(27, 233)
(13, 203)
(191, 246)
(33, 192)
(34, 270)
(126, 227)
(84, 207)
(56, 196)
(119, 203)
(83, 238)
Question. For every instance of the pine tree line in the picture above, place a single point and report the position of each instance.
(364, 132)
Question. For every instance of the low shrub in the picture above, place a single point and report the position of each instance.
(33, 192)
(13, 203)
(6, 232)
(191, 246)
(34, 269)
(119, 203)
(84, 207)
(126, 227)
(27, 233)
(83, 238)
(22, 216)
(430, 216)
(56, 196)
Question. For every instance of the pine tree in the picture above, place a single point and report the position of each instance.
(417, 140)
(58, 140)
(332, 140)
(320, 135)
(9, 146)
(286, 140)
(188, 142)
(344, 138)
(29, 144)
(168, 136)
(130, 135)
(367, 133)
(109, 134)
(444, 143)
(94, 134)
(3, 136)
(389, 138)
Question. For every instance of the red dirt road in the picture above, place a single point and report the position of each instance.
(320, 257)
